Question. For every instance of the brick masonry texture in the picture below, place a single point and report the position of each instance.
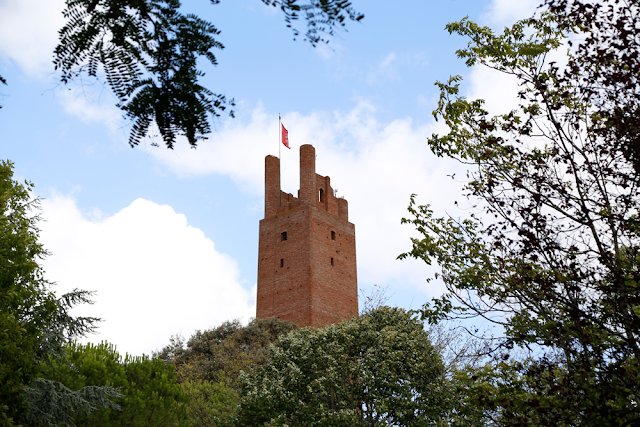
(308, 278)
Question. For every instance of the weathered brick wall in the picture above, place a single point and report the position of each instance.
(309, 278)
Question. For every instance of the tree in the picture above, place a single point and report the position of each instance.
(209, 367)
(377, 369)
(148, 51)
(551, 252)
(219, 354)
(150, 393)
(34, 324)
(19, 289)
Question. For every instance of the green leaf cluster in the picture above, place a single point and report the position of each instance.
(148, 52)
(150, 393)
(26, 307)
(322, 16)
(377, 369)
(208, 367)
(35, 324)
(210, 404)
(219, 355)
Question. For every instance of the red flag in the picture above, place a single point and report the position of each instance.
(285, 137)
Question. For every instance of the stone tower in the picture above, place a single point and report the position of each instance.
(307, 250)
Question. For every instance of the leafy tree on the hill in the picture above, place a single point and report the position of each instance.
(553, 250)
(148, 52)
(151, 396)
(375, 370)
(34, 324)
(209, 366)
(219, 354)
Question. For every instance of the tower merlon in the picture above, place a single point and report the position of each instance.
(343, 209)
(308, 187)
(271, 186)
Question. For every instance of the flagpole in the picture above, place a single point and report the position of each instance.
(279, 135)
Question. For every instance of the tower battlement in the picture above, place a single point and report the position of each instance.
(315, 189)
(307, 252)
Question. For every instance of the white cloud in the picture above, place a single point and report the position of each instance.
(328, 51)
(92, 104)
(499, 90)
(506, 12)
(375, 166)
(388, 61)
(237, 149)
(155, 276)
(387, 68)
(29, 33)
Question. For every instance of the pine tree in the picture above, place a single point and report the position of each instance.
(35, 325)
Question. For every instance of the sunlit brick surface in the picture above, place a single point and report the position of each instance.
(296, 278)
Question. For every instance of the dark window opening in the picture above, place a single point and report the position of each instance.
(282, 262)
(321, 195)
(333, 235)
(331, 261)
(283, 235)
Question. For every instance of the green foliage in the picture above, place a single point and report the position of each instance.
(608, 57)
(17, 246)
(150, 394)
(25, 304)
(551, 251)
(51, 403)
(148, 52)
(209, 367)
(34, 324)
(322, 16)
(210, 404)
(377, 369)
(218, 355)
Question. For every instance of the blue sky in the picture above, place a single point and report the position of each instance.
(169, 239)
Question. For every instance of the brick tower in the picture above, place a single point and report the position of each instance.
(307, 250)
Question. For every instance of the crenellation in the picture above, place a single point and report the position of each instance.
(326, 199)
(287, 202)
(343, 208)
(271, 185)
(308, 187)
